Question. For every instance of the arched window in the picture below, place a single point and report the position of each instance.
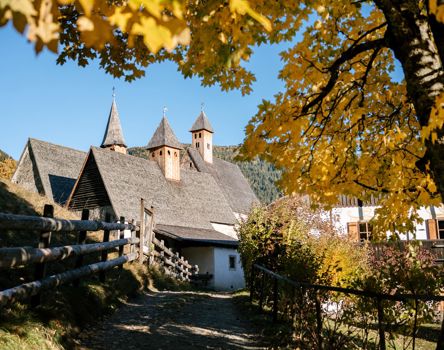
(191, 165)
(195, 136)
(160, 152)
(152, 154)
(169, 153)
(200, 135)
(197, 144)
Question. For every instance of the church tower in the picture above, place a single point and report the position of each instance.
(202, 137)
(113, 138)
(165, 149)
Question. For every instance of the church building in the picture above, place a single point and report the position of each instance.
(197, 198)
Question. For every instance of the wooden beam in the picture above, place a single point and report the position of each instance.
(35, 223)
(33, 288)
(12, 257)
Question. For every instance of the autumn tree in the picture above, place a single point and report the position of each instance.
(343, 125)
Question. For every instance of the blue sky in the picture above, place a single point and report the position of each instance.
(69, 105)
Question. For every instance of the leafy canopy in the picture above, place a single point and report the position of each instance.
(342, 125)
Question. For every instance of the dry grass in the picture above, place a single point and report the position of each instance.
(63, 311)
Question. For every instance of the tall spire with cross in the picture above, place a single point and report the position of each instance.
(113, 138)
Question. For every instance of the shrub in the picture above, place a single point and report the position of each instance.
(7, 168)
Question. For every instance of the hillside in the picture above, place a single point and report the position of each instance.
(3, 156)
(260, 174)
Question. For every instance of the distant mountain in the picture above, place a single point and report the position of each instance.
(261, 175)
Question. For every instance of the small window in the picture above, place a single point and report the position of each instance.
(232, 262)
(365, 231)
(208, 146)
(169, 153)
(191, 165)
(152, 154)
(200, 135)
(160, 152)
(175, 154)
(195, 136)
(197, 144)
(441, 229)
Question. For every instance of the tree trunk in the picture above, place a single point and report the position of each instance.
(410, 36)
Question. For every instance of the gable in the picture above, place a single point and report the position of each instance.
(89, 191)
(26, 174)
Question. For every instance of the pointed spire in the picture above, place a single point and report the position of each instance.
(202, 122)
(164, 136)
(113, 134)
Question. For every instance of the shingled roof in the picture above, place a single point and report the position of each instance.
(164, 136)
(202, 123)
(235, 187)
(51, 167)
(195, 201)
(199, 236)
(113, 133)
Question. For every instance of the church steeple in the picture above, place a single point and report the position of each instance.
(202, 136)
(165, 149)
(113, 138)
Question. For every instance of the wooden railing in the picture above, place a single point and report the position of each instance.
(267, 286)
(43, 254)
(173, 263)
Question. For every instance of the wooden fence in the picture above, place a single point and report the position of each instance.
(46, 226)
(173, 263)
(435, 246)
(139, 245)
(267, 286)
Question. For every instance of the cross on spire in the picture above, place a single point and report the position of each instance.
(164, 111)
(202, 106)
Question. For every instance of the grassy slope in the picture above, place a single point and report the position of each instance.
(260, 174)
(65, 310)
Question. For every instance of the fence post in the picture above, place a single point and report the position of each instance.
(81, 239)
(142, 232)
(380, 324)
(275, 299)
(261, 295)
(318, 319)
(121, 236)
(252, 283)
(44, 241)
(105, 252)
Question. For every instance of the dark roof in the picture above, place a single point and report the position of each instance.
(348, 201)
(164, 136)
(236, 188)
(202, 123)
(113, 133)
(195, 201)
(196, 235)
(57, 166)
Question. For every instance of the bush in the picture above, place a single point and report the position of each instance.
(7, 168)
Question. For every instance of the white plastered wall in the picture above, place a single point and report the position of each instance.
(202, 257)
(224, 277)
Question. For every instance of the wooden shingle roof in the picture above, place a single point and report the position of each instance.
(57, 167)
(194, 202)
(202, 123)
(229, 177)
(113, 133)
(164, 136)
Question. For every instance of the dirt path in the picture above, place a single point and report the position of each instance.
(175, 320)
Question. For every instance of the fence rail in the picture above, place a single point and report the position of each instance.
(12, 257)
(271, 292)
(172, 262)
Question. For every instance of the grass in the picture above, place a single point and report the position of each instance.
(279, 335)
(65, 311)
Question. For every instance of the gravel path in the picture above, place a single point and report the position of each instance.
(174, 320)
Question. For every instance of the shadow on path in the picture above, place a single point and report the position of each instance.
(175, 320)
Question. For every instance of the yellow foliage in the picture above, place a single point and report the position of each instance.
(7, 168)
